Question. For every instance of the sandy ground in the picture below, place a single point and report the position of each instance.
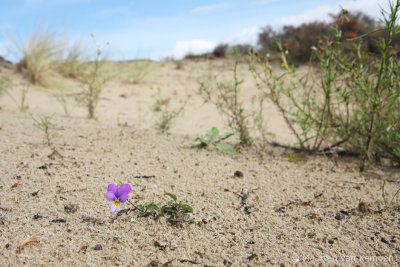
(304, 210)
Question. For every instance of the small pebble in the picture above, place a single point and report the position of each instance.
(339, 217)
(71, 208)
(238, 174)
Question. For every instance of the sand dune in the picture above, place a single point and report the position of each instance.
(299, 209)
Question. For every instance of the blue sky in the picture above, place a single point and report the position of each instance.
(157, 29)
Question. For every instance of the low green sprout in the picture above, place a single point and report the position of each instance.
(213, 137)
(389, 205)
(43, 123)
(176, 212)
(21, 104)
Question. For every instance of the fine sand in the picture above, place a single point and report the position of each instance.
(300, 209)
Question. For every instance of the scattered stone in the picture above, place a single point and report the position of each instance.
(71, 208)
(158, 245)
(227, 263)
(98, 247)
(92, 220)
(37, 216)
(252, 256)
(83, 249)
(339, 216)
(59, 221)
(238, 174)
(385, 241)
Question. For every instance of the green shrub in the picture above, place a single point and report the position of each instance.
(353, 101)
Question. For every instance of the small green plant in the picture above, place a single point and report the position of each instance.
(138, 70)
(226, 98)
(148, 209)
(43, 123)
(21, 104)
(4, 85)
(176, 212)
(63, 102)
(93, 80)
(166, 115)
(389, 205)
(213, 137)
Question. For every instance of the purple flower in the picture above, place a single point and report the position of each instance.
(117, 195)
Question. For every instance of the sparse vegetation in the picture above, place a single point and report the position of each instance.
(225, 96)
(4, 85)
(213, 138)
(162, 109)
(94, 79)
(176, 212)
(75, 63)
(137, 70)
(21, 103)
(63, 102)
(389, 204)
(43, 123)
(353, 101)
(41, 53)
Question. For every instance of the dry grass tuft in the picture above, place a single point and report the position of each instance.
(42, 54)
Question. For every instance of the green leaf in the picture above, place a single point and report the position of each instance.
(151, 206)
(171, 196)
(214, 132)
(186, 208)
(226, 135)
(225, 149)
(198, 143)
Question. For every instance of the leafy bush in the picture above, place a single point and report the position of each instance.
(298, 41)
(220, 50)
(353, 101)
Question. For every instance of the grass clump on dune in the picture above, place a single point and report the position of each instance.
(74, 64)
(42, 53)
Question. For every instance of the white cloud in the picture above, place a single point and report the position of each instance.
(321, 13)
(182, 48)
(210, 8)
(370, 7)
(245, 36)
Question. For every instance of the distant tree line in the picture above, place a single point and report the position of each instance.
(298, 41)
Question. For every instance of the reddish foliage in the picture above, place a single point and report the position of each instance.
(299, 40)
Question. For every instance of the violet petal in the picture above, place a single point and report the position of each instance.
(112, 189)
(110, 196)
(114, 208)
(122, 192)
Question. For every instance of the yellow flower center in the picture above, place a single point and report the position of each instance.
(117, 203)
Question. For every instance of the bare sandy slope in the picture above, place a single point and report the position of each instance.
(305, 211)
